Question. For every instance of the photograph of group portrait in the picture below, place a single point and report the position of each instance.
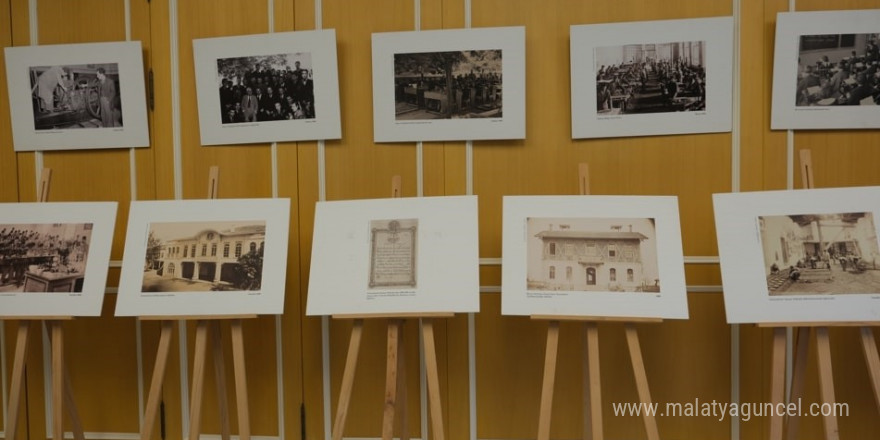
(267, 87)
(838, 69)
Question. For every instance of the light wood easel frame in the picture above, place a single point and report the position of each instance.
(395, 373)
(208, 337)
(62, 393)
(780, 424)
(592, 387)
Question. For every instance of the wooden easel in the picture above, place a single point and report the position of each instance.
(207, 331)
(778, 423)
(62, 393)
(395, 373)
(592, 394)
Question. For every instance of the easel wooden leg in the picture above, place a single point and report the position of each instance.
(777, 381)
(433, 379)
(158, 380)
(826, 381)
(220, 378)
(401, 389)
(593, 428)
(635, 353)
(17, 379)
(241, 394)
(354, 346)
(550, 352)
(873, 361)
(395, 327)
(57, 336)
(198, 380)
(798, 379)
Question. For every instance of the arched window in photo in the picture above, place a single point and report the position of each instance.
(552, 272)
(237, 249)
(612, 274)
(226, 250)
(629, 275)
(591, 276)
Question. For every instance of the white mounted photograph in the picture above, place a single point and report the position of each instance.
(54, 257)
(205, 257)
(651, 78)
(826, 70)
(441, 85)
(592, 256)
(267, 88)
(77, 96)
(800, 256)
(397, 255)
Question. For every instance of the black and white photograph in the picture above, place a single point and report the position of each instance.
(204, 256)
(47, 257)
(826, 70)
(838, 69)
(651, 78)
(592, 254)
(393, 253)
(448, 85)
(54, 257)
(808, 255)
(267, 88)
(815, 254)
(452, 84)
(77, 96)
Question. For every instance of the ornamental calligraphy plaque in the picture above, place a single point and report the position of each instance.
(393, 253)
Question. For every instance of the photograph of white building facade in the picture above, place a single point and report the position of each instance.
(820, 253)
(204, 256)
(595, 254)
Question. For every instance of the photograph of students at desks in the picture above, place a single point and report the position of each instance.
(839, 69)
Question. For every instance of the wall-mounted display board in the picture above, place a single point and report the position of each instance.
(593, 256)
(204, 257)
(800, 256)
(399, 255)
(54, 257)
(270, 87)
(651, 78)
(459, 84)
(826, 70)
(76, 96)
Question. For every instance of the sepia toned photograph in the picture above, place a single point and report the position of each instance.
(54, 257)
(592, 254)
(838, 69)
(650, 78)
(47, 257)
(393, 253)
(448, 85)
(560, 258)
(275, 87)
(266, 88)
(826, 70)
(808, 255)
(77, 96)
(204, 256)
(814, 254)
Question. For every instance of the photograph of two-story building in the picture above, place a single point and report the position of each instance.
(201, 256)
(592, 254)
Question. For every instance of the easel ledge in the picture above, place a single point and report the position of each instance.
(595, 318)
(194, 317)
(394, 315)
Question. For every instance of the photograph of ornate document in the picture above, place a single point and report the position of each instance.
(393, 253)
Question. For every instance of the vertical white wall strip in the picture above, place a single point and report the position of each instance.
(34, 37)
(789, 166)
(3, 392)
(736, 153)
(469, 190)
(47, 382)
(139, 357)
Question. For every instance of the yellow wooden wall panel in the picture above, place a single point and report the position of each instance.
(8, 172)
